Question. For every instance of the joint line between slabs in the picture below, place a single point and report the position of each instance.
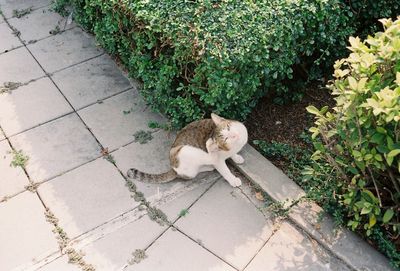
(204, 247)
(48, 75)
(14, 150)
(25, 43)
(75, 64)
(33, 9)
(76, 112)
(251, 201)
(171, 225)
(322, 244)
(69, 113)
(275, 230)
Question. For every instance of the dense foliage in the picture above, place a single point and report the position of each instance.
(366, 13)
(360, 138)
(200, 56)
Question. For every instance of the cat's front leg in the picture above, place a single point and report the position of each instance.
(238, 159)
(223, 169)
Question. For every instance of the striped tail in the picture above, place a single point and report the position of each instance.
(165, 177)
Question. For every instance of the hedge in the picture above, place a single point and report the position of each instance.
(365, 14)
(194, 57)
(360, 136)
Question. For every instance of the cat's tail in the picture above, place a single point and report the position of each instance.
(165, 177)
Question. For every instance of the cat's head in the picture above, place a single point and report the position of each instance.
(229, 134)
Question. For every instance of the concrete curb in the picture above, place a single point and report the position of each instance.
(343, 243)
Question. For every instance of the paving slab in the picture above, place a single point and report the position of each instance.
(65, 49)
(152, 157)
(174, 251)
(288, 249)
(228, 224)
(25, 235)
(115, 120)
(91, 81)
(270, 178)
(18, 66)
(342, 242)
(87, 197)
(8, 39)
(13, 180)
(261, 203)
(56, 147)
(38, 24)
(2, 136)
(7, 6)
(114, 251)
(60, 264)
(177, 197)
(31, 105)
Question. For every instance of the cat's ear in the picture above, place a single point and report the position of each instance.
(216, 119)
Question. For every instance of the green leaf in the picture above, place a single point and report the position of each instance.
(382, 149)
(365, 210)
(314, 131)
(377, 138)
(398, 78)
(360, 165)
(324, 109)
(368, 195)
(388, 215)
(390, 142)
(393, 153)
(372, 220)
(356, 153)
(368, 157)
(353, 170)
(378, 157)
(389, 160)
(352, 82)
(347, 201)
(313, 110)
(381, 130)
(339, 148)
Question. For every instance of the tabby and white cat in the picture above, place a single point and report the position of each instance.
(200, 146)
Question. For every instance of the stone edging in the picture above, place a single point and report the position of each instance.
(343, 243)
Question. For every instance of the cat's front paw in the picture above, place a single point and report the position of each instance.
(235, 182)
(238, 159)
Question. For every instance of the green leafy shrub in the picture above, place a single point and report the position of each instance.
(200, 56)
(359, 137)
(366, 13)
(315, 178)
(294, 159)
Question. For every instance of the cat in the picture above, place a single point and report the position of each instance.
(202, 145)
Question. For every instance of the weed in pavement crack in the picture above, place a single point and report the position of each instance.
(74, 257)
(138, 256)
(21, 12)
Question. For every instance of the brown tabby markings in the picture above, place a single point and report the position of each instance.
(195, 134)
(173, 156)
